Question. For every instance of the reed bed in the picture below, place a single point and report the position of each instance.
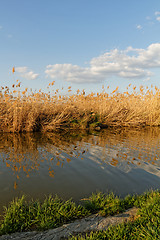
(28, 111)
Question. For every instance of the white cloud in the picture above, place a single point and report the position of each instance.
(71, 73)
(139, 27)
(1, 27)
(131, 63)
(25, 73)
(30, 75)
(158, 18)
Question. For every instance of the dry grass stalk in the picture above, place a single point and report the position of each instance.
(22, 111)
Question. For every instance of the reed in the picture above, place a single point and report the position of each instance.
(28, 111)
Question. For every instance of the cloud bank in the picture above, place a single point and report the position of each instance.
(131, 63)
(25, 73)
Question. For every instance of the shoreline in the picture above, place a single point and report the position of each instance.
(99, 205)
(94, 223)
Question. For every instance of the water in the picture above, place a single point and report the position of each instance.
(74, 165)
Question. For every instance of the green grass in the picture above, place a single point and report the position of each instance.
(53, 212)
(108, 204)
(146, 225)
(22, 215)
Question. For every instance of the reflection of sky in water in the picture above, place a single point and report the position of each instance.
(77, 165)
(126, 159)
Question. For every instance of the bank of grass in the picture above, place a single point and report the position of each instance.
(27, 111)
(22, 215)
(53, 212)
(143, 226)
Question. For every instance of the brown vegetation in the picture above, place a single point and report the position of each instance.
(22, 111)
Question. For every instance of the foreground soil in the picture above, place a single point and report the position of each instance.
(94, 222)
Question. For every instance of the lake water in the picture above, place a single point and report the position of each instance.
(124, 161)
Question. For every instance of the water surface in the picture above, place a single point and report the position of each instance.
(74, 165)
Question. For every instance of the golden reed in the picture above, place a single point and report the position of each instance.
(27, 111)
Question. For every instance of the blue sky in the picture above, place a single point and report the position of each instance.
(80, 43)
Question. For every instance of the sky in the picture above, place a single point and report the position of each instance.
(80, 43)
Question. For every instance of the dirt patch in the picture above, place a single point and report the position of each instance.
(94, 222)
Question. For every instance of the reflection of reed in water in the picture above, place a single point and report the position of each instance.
(20, 153)
(27, 152)
(128, 148)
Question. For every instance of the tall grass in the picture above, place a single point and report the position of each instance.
(29, 111)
